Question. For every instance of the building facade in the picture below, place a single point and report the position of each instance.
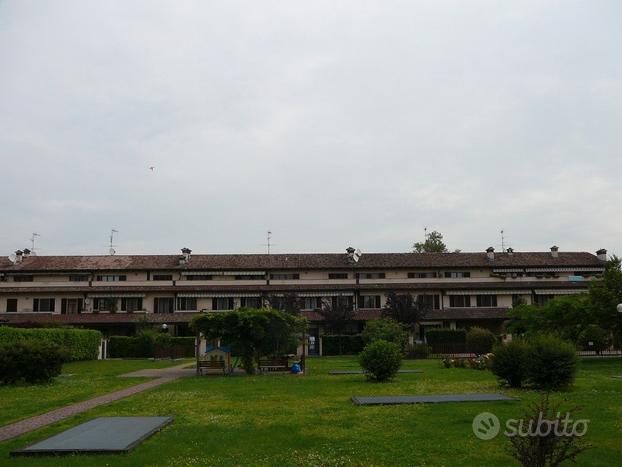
(115, 294)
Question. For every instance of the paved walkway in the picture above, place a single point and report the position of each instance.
(164, 375)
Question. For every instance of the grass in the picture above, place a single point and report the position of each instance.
(288, 420)
(79, 381)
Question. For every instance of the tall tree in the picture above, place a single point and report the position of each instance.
(290, 303)
(405, 309)
(337, 313)
(605, 296)
(432, 244)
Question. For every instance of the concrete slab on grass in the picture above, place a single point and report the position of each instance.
(431, 399)
(362, 372)
(100, 435)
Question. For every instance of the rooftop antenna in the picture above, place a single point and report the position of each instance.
(269, 241)
(425, 233)
(112, 250)
(502, 241)
(32, 241)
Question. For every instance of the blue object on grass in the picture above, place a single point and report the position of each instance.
(296, 368)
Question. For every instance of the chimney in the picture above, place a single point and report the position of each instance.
(18, 256)
(510, 251)
(26, 252)
(602, 254)
(186, 252)
(490, 253)
(554, 251)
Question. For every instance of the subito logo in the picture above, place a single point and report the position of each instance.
(486, 426)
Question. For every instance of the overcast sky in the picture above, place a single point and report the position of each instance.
(330, 123)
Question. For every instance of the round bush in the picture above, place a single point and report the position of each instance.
(480, 341)
(509, 363)
(381, 360)
(30, 361)
(551, 362)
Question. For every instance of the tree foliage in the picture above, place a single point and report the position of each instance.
(290, 303)
(605, 296)
(337, 314)
(385, 329)
(253, 332)
(432, 244)
(405, 309)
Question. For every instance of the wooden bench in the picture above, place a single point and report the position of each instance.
(273, 364)
(207, 365)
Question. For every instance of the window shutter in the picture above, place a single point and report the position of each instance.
(377, 301)
(214, 303)
(80, 305)
(123, 304)
(63, 306)
(35, 304)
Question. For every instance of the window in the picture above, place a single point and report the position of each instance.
(104, 304)
(131, 304)
(249, 277)
(250, 302)
(163, 304)
(432, 302)
(285, 277)
(162, 277)
(312, 303)
(186, 303)
(71, 306)
(422, 275)
(11, 305)
(337, 275)
(43, 304)
(369, 301)
(78, 278)
(457, 274)
(222, 303)
(459, 301)
(543, 299)
(486, 300)
(372, 275)
(111, 278)
(23, 278)
(346, 302)
(199, 277)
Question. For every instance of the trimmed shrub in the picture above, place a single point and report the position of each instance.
(551, 362)
(342, 344)
(149, 345)
(509, 363)
(480, 341)
(444, 340)
(418, 351)
(80, 344)
(386, 330)
(598, 337)
(381, 360)
(30, 361)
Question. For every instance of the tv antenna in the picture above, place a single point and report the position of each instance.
(112, 251)
(425, 233)
(32, 241)
(502, 241)
(269, 241)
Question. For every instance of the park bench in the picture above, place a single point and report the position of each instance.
(209, 365)
(273, 364)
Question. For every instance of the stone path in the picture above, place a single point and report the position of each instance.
(164, 375)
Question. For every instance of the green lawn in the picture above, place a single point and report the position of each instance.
(79, 381)
(288, 420)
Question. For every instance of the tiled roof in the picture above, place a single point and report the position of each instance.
(299, 261)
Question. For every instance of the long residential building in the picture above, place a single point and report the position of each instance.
(117, 293)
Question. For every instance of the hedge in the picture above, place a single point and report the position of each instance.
(146, 346)
(342, 344)
(80, 344)
(443, 340)
(30, 361)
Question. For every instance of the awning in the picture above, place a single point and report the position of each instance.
(566, 269)
(223, 273)
(560, 291)
(509, 270)
(326, 294)
(116, 295)
(485, 292)
(217, 295)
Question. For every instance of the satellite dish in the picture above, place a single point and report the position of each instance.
(112, 251)
(357, 255)
(12, 257)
